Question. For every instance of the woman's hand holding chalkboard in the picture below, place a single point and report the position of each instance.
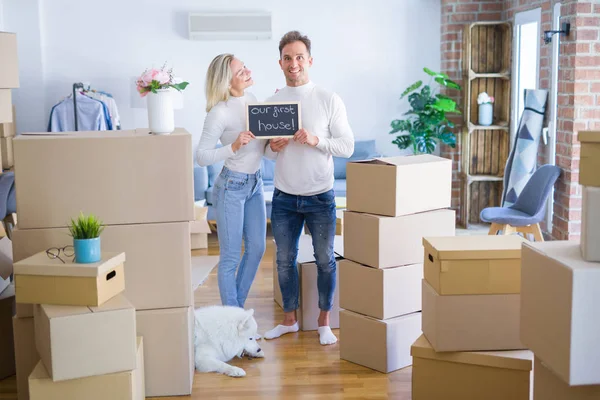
(278, 144)
(303, 137)
(243, 139)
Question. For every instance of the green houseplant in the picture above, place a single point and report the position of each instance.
(86, 232)
(426, 124)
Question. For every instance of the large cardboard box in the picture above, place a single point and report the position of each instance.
(560, 306)
(8, 129)
(123, 177)
(6, 148)
(590, 224)
(384, 242)
(400, 185)
(479, 264)
(494, 375)
(9, 67)
(548, 386)
(168, 350)
(589, 163)
(26, 355)
(158, 272)
(76, 342)
(40, 279)
(380, 345)
(380, 293)
(309, 299)
(126, 385)
(6, 106)
(7, 345)
(471, 322)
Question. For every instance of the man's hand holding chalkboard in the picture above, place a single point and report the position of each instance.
(278, 144)
(303, 137)
(243, 139)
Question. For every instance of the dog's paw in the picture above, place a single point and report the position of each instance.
(235, 372)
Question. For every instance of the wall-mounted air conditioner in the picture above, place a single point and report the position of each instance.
(230, 25)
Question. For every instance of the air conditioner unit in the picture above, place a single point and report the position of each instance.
(230, 26)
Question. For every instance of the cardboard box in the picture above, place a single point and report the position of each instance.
(380, 293)
(9, 68)
(479, 264)
(126, 385)
(199, 230)
(40, 279)
(5, 105)
(158, 273)
(6, 148)
(24, 310)
(309, 299)
(471, 322)
(560, 305)
(76, 342)
(7, 345)
(8, 129)
(26, 355)
(589, 163)
(396, 186)
(168, 350)
(384, 242)
(590, 224)
(380, 345)
(494, 375)
(548, 386)
(130, 177)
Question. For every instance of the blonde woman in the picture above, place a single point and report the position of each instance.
(238, 190)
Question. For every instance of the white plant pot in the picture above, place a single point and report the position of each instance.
(161, 118)
(486, 113)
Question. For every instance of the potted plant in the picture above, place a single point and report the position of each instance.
(486, 110)
(426, 124)
(157, 85)
(86, 232)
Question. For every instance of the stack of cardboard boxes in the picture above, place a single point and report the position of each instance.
(391, 204)
(9, 79)
(85, 328)
(140, 186)
(560, 304)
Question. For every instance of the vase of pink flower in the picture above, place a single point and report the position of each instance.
(486, 109)
(157, 85)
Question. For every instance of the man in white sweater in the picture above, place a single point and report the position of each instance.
(304, 183)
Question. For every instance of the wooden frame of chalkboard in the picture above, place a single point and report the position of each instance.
(273, 120)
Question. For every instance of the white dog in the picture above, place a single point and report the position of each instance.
(221, 333)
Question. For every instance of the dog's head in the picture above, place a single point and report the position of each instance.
(247, 330)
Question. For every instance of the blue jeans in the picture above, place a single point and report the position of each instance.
(288, 214)
(241, 213)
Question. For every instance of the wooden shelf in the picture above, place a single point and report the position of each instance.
(502, 125)
(488, 75)
(482, 178)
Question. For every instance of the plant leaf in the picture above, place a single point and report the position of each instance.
(445, 105)
(399, 125)
(403, 141)
(412, 87)
(430, 72)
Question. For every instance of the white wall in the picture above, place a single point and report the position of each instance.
(368, 52)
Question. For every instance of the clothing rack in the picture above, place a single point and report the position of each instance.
(76, 86)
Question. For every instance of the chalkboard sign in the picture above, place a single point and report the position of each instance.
(272, 120)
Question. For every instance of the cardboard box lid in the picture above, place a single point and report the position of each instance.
(474, 247)
(510, 359)
(399, 161)
(565, 252)
(589, 136)
(41, 264)
(71, 135)
(119, 302)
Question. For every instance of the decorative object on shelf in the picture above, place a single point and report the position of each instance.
(156, 84)
(486, 109)
(86, 232)
(428, 124)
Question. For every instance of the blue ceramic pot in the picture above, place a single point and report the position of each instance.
(87, 250)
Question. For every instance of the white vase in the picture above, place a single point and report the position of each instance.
(486, 113)
(161, 118)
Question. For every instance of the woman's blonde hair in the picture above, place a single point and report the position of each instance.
(218, 78)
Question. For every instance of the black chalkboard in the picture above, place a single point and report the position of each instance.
(272, 120)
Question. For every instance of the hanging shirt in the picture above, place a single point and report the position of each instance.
(92, 115)
(111, 106)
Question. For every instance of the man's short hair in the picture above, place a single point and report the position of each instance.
(293, 36)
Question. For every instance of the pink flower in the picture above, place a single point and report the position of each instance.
(162, 77)
(148, 77)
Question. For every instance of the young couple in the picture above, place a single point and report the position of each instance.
(303, 180)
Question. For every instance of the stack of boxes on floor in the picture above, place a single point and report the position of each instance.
(391, 204)
(560, 306)
(9, 79)
(85, 329)
(140, 186)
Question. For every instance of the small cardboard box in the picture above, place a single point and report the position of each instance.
(158, 273)
(40, 279)
(589, 163)
(6, 106)
(9, 67)
(168, 350)
(76, 342)
(309, 299)
(380, 293)
(380, 345)
(8, 129)
(7, 345)
(560, 305)
(479, 264)
(6, 148)
(590, 224)
(26, 355)
(199, 230)
(130, 177)
(384, 242)
(482, 322)
(126, 385)
(548, 386)
(396, 186)
(494, 375)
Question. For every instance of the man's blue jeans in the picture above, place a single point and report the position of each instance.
(241, 213)
(289, 212)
